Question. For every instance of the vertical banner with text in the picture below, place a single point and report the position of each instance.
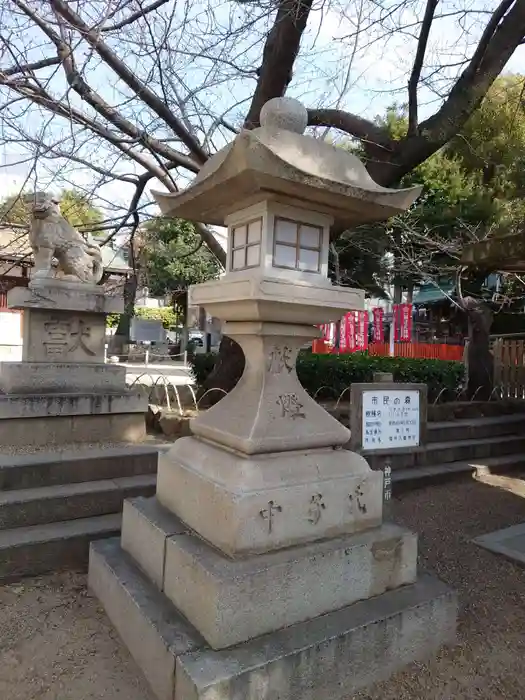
(405, 330)
(343, 345)
(350, 331)
(379, 334)
(361, 341)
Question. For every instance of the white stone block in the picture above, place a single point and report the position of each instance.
(47, 377)
(146, 525)
(146, 622)
(244, 505)
(71, 404)
(63, 336)
(231, 601)
(59, 295)
(251, 296)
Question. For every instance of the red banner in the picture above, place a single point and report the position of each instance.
(342, 335)
(328, 332)
(402, 317)
(350, 331)
(361, 340)
(379, 333)
(405, 326)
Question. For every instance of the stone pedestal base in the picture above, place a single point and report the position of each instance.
(244, 504)
(330, 656)
(63, 392)
(38, 420)
(48, 377)
(231, 601)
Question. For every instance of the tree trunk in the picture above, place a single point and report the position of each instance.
(227, 371)
(480, 362)
(121, 337)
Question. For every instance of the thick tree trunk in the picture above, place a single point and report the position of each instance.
(227, 371)
(480, 362)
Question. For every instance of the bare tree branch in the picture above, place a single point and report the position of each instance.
(125, 74)
(361, 128)
(30, 67)
(136, 15)
(279, 54)
(418, 65)
(94, 99)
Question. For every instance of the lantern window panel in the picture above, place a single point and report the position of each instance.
(246, 245)
(297, 246)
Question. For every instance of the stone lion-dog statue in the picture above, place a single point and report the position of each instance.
(52, 236)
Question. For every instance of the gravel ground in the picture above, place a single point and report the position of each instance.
(489, 661)
(56, 644)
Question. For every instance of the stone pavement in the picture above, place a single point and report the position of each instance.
(510, 542)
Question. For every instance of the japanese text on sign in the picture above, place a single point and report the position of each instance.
(390, 419)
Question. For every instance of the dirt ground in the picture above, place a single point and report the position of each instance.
(56, 643)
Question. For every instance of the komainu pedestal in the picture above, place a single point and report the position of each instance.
(63, 391)
(262, 569)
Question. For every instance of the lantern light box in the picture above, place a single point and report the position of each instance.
(280, 240)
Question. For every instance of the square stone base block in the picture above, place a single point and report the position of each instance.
(62, 430)
(51, 419)
(247, 504)
(231, 601)
(327, 658)
(48, 377)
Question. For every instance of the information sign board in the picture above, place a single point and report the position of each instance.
(390, 418)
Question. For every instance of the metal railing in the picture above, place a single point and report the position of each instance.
(171, 391)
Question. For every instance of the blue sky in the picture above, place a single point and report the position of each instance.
(347, 60)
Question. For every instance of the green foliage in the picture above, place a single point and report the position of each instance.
(74, 206)
(112, 320)
(173, 258)
(329, 375)
(472, 187)
(166, 314)
(395, 121)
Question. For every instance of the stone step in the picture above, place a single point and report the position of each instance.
(39, 549)
(419, 477)
(79, 464)
(458, 410)
(48, 504)
(453, 451)
(474, 428)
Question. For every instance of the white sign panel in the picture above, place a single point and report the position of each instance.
(390, 419)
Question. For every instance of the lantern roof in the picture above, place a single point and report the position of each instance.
(278, 161)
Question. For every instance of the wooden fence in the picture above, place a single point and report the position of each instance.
(509, 367)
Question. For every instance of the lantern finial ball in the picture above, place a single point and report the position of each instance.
(284, 113)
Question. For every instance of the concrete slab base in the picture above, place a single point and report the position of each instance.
(71, 404)
(509, 542)
(60, 430)
(49, 377)
(231, 601)
(331, 656)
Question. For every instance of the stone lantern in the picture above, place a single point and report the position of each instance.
(265, 533)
